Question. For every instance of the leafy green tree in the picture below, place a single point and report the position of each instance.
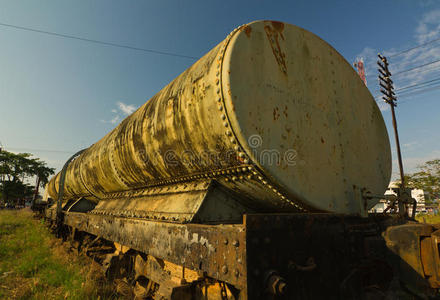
(427, 179)
(14, 169)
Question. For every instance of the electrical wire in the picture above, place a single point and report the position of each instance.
(39, 150)
(416, 87)
(416, 67)
(419, 92)
(97, 41)
(412, 86)
(410, 49)
(423, 89)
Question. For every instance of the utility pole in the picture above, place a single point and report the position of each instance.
(387, 89)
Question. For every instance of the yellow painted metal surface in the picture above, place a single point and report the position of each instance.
(272, 112)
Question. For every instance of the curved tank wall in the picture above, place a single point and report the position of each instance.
(273, 112)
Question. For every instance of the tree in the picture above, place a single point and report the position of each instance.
(427, 179)
(14, 169)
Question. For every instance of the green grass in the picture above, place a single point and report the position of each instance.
(34, 265)
(425, 218)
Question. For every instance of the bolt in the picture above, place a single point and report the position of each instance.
(225, 269)
(282, 287)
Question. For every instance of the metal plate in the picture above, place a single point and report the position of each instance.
(303, 116)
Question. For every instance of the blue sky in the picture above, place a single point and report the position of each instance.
(60, 95)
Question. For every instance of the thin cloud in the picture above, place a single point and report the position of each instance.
(127, 109)
(120, 112)
(427, 29)
(411, 164)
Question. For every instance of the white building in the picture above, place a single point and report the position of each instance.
(417, 194)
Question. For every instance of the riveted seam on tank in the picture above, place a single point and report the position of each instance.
(233, 137)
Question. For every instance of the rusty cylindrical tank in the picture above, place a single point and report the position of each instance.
(272, 112)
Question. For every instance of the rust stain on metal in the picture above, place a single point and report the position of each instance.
(276, 114)
(247, 31)
(285, 111)
(278, 26)
(273, 33)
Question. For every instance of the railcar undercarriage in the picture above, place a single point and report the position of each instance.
(266, 256)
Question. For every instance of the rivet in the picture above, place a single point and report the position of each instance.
(225, 124)
(232, 140)
(241, 155)
(228, 132)
(218, 91)
(223, 116)
(225, 269)
(236, 148)
(236, 273)
(236, 243)
(246, 161)
(217, 81)
(218, 73)
(220, 107)
(225, 241)
(219, 99)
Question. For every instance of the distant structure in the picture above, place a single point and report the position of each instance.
(359, 65)
(417, 194)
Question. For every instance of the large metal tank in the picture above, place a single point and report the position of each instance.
(272, 112)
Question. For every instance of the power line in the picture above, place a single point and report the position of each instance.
(417, 67)
(97, 41)
(410, 49)
(39, 150)
(415, 86)
(418, 84)
(409, 79)
(420, 92)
